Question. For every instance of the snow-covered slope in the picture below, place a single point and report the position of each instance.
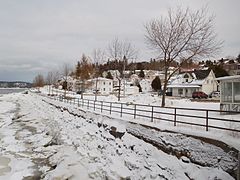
(46, 139)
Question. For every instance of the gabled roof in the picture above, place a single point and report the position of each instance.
(198, 74)
(201, 74)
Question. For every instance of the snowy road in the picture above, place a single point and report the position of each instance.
(58, 141)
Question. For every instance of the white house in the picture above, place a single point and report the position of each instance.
(184, 84)
(103, 85)
(146, 85)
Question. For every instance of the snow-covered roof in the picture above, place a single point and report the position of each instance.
(183, 86)
(228, 78)
(197, 78)
(100, 79)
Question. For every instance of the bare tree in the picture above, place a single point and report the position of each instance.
(115, 49)
(49, 81)
(129, 50)
(98, 58)
(66, 70)
(122, 51)
(182, 35)
(55, 79)
(118, 49)
(38, 81)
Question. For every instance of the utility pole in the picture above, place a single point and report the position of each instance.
(124, 67)
(96, 82)
(119, 88)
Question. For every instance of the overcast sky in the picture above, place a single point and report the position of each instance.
(39, 36)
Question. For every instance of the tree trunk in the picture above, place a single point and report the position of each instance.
(164, 94)
(164, 86)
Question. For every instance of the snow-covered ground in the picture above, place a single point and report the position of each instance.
(229, 137)
(46, 139)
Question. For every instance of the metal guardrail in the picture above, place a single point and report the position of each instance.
(205, 118)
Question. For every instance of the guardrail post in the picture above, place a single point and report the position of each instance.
(206, 120)
(121, 110)
(175, 116)
(94, 105)
(152, 115)
(101, 106)
(110, 108)
(135, 109)
(238, 173)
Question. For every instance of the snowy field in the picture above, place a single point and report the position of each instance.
(41, 138)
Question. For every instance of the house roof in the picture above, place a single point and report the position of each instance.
(100, 79)
(183, 86)
(201, 74)
(198, 74)
(198, 77)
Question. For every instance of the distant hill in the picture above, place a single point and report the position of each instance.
(15, 84)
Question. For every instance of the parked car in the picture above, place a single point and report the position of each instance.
(199, 94)
(79, 92)
(214, 94)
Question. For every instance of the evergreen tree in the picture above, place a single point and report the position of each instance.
(238, 58)
(139, 87)
(109, 75)
(156, 84)
(219, 71)
(141, 74)
(78, 70)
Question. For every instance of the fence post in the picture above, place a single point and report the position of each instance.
(88, 104)
(74, 101)
(101, 105)
(175, 116)
(82, 102)
(94, 105)
(110, 108)
(206, 120)
(121, 110)
(135, 109)
(152, 115)
(78, 102)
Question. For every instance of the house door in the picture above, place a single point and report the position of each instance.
(186, 92)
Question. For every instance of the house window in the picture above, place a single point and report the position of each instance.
(103, 89)
(109, 83)
(186, 80)
(180, 91)
(103, 83)
(207, 81)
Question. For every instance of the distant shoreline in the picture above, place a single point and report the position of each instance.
(11, 90)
